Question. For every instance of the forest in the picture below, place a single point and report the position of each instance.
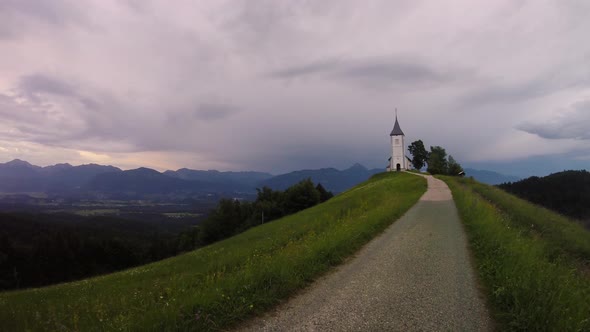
(566, 192)
(38, 249)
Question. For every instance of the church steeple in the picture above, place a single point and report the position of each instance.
(396, 128)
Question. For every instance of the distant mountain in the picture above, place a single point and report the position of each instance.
(331, 178)
(21, 176)
(75, 177)
(566, 192)
(250, 179)
(489, 177)
(139, 181)
(145, 181)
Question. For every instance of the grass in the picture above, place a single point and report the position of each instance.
(220, 285)
(418, 171)
(530, 260)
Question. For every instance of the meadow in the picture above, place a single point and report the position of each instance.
(533, 263)
(223, 284)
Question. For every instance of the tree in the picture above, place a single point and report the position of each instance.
(419, 154)
(222, 222)
(324, 194)
(437, 160)
(301, 196)
(454, 167)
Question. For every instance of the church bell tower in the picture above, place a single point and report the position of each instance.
(398, 161)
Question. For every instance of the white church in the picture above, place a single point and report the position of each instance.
(398, 160)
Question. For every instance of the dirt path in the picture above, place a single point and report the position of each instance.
(416, 276)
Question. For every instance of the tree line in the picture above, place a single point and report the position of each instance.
(231, 217)
(436, 159)
(566, 192)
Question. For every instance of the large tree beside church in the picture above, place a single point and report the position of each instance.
(419, 154)
(438, 163)
(437, 160)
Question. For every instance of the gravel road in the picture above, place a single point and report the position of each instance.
(416, 276)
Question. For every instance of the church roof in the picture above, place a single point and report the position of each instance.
(396, 129)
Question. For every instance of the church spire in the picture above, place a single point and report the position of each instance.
(397, 130)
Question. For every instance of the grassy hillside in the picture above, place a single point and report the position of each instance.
(221, 284)
(534, 263)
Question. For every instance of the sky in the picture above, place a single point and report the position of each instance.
(279, 86)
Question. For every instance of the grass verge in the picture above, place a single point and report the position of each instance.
(222, 284)
(528, 258)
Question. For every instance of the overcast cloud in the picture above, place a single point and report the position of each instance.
(285, 85)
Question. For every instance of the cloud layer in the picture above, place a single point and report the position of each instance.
(278, 86)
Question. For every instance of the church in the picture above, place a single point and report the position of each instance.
(398, 160)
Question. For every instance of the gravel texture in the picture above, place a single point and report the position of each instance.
(416, 276)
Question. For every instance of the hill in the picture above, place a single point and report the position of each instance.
(566, 192)
(331, 178)
(489, 177)
(219, 285)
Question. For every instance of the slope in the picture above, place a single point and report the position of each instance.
(221, 284)
(532, 261)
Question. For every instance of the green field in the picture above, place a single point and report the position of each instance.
(534, 264)
(222, 284)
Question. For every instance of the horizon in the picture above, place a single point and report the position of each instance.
(467, 168)
(282, 86)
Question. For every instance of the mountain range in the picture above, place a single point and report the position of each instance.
(19, 176)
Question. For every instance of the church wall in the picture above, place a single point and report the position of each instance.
(398, 152)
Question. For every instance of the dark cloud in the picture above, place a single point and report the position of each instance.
(32, 85)
(571, 124)
(18, 17)
(369, 71)
(489, 90)
(46, 10)
(211, 111)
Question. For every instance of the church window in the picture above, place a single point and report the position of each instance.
(397, 141)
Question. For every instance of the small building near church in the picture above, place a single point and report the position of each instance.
(398, 160)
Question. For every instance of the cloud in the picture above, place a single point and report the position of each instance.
(371, 71)
(19, 17)
(572, 123)
(210, 111)
(31, 86)
(293, 84)
(498, 91)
